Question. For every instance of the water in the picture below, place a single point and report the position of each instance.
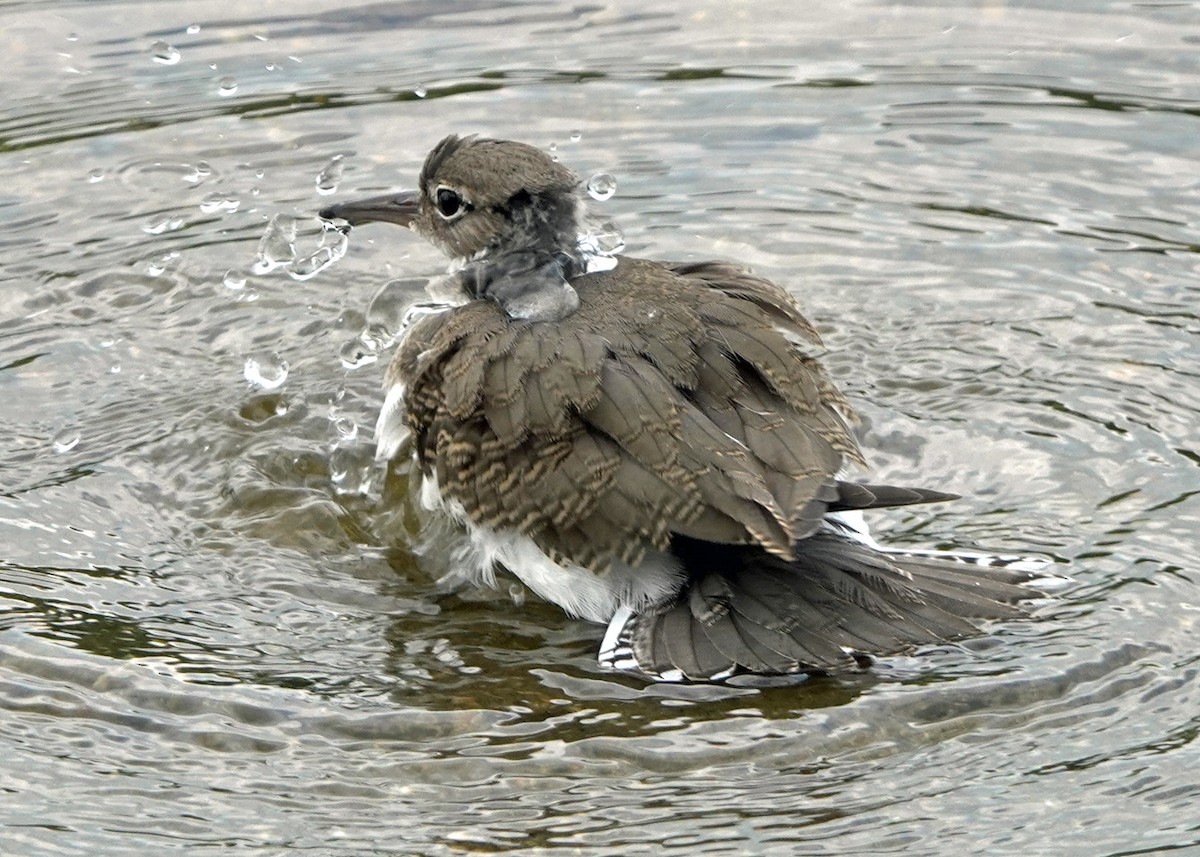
(601, 186)
(214, 630)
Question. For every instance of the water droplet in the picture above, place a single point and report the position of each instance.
(226, 87)
(376, 338)
(272, 66)
(197, 172)
(163, 53)
(576, 136)
(277, 246)
(350, 469)
(193, 29)
(266, 372)
(159, 225)
(235, 280)
(96, 175)
(601, 187)
(115, 369)
(420, 90)
(215, 202)
(386, 312)
(553, 147)
(603, 239)
(328, 178)
(65, 440)
(355, 354)
(333, 247)
(72, 37)
(346, 428)
(158, 267)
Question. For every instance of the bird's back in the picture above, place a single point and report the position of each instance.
(675, 400)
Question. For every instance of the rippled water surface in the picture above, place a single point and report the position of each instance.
(213, 632)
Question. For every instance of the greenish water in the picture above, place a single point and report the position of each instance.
(214, 634)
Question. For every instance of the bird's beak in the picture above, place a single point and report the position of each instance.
(399, 208)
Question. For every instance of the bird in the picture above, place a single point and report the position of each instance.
(654, 446)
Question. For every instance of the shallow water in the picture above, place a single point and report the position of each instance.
(213, 632)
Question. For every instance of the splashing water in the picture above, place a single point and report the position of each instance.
(350, 469)
(600, 245)
(386, 312)
(356, 353)
(160, 225)
(164, 53)
(266, 372)
(601, 187)
(215, 202)
(198, 172)
(346, 428)
(334, 243)
(65, 441)
(277, 247)
(330, 176)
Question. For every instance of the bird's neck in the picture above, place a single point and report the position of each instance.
(544, 224)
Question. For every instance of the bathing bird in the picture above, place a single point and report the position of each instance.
(651, 445)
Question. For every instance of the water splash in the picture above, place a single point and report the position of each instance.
(216, 202)
(346, 428)
(158, 267)
(164, 53)
(356, 353)
(350, 469)
(266, 372)
(386, 313)
(334, 243)
(601, 187)
(65, 441)
(159, 225)
(197, 173)
(277, 247)
(330, 176)
(599, 246)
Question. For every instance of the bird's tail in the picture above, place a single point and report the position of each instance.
(842, 599)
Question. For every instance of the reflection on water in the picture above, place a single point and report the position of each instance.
(209, 592)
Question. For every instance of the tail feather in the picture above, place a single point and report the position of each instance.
(841, 598)
(858, 495)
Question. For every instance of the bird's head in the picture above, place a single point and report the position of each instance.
(480, 198)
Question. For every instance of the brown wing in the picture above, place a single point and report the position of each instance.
(674, 400)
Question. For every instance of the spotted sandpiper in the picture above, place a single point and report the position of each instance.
(648, 444)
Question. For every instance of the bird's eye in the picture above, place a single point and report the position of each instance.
(450, 204)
